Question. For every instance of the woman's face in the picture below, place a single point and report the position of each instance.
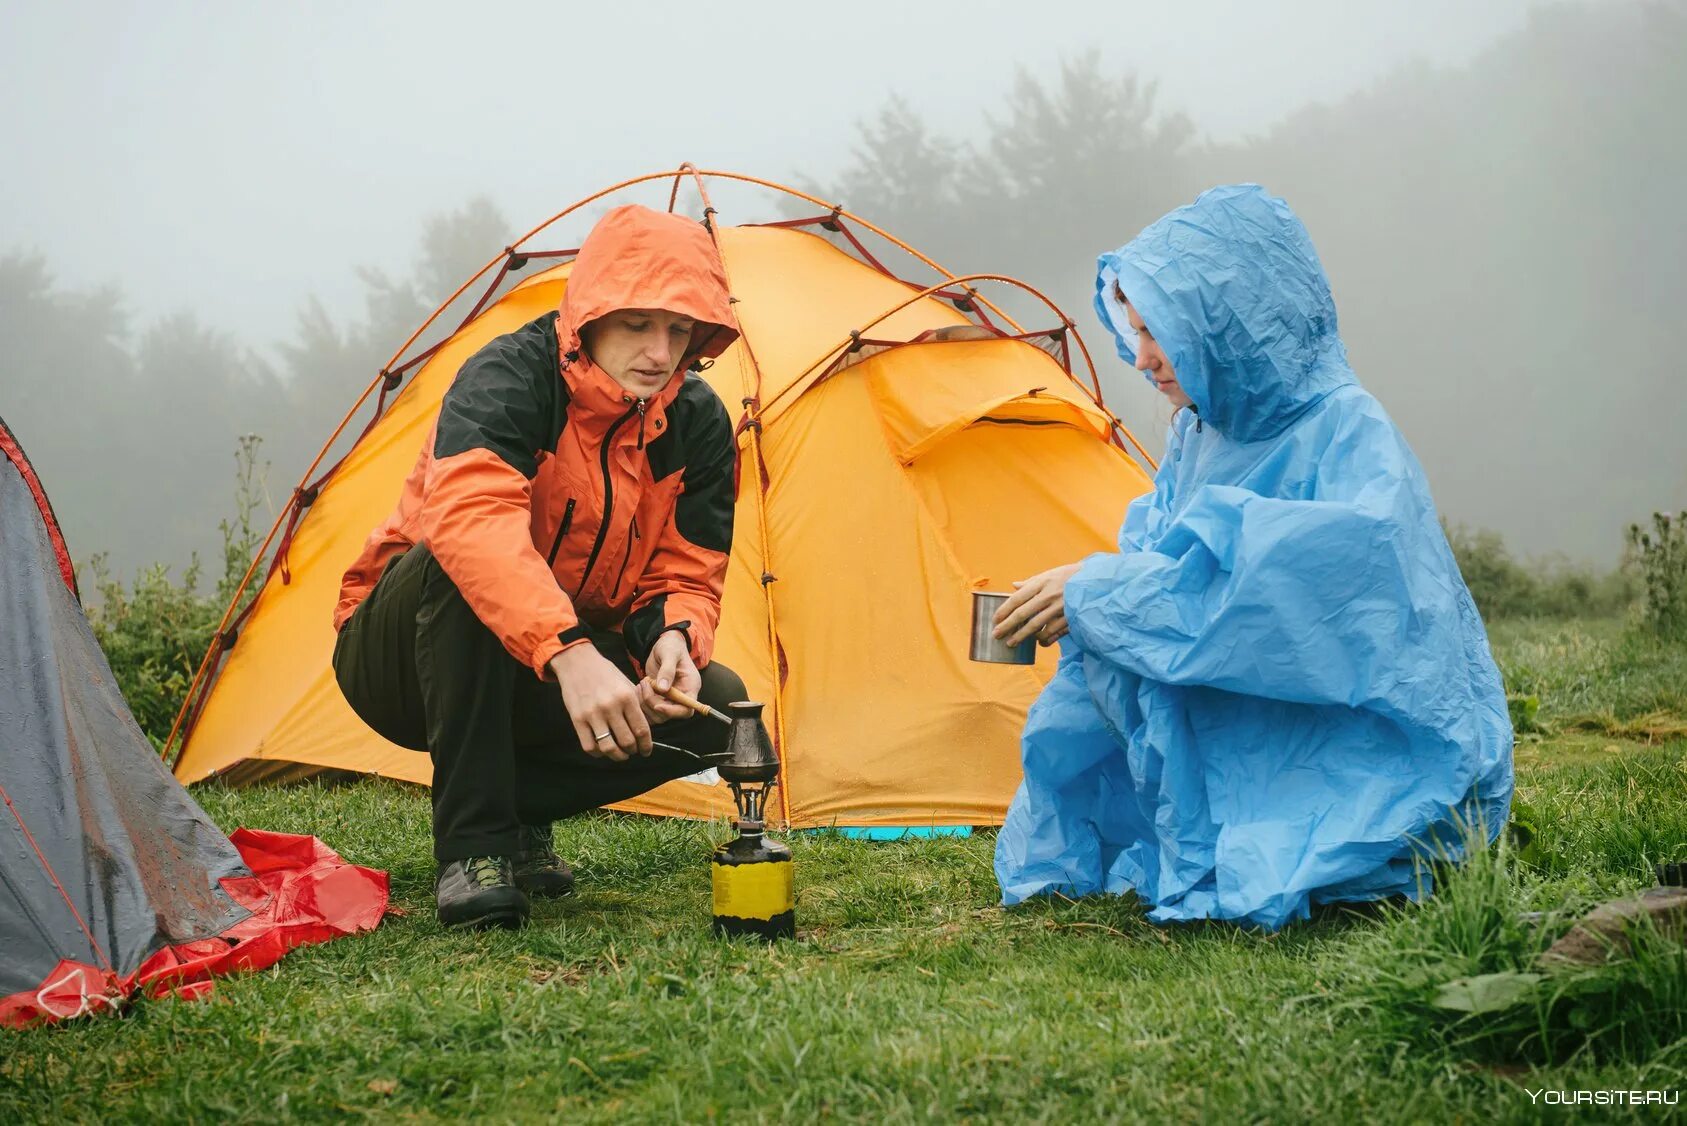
(1152, 360)
(639, 348)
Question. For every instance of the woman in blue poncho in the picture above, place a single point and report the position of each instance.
(1278, 691)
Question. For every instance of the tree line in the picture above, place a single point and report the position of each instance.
(1502, 238)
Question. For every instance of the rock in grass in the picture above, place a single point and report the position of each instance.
(1601, 935)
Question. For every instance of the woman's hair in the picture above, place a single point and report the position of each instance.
(1123, 300)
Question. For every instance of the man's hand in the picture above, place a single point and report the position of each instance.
(603, 704)
(669, 666)
(1037, 608)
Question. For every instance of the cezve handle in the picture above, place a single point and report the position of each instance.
(698, 706)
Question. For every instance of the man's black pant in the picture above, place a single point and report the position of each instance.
(420, 668)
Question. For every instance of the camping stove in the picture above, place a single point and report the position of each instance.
(753, 887)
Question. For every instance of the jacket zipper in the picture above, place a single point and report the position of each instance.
(608, 497)
(562, 530)
(625, 559)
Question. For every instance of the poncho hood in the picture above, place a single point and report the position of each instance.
(1233, 290)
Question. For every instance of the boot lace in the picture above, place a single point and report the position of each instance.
(536, 844)
(485, 871)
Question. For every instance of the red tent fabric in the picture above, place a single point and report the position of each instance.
(300, 891)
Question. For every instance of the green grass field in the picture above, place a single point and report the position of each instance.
(911, 995)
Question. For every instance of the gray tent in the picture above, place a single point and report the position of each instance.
(104, 858)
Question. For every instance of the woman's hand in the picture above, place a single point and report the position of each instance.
(601, 702)
(1037, 608)
(669, 666)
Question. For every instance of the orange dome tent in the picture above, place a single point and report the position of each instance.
(899, 446)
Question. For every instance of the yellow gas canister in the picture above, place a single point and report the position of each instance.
(753, 889)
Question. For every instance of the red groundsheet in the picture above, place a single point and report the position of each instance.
(299, 892)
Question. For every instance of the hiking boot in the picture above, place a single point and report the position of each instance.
(479, 892)
(538, 869)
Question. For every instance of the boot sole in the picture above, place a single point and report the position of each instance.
(545, 887)
(504, 907)
(509, 919)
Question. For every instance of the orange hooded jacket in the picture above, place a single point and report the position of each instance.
(558, 501)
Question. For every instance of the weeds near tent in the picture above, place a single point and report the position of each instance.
(155, 630)
(241, 536)
(1660, 555)
(1505, 588)
(148, 631)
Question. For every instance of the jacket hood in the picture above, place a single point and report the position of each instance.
(1234, 292)
(636, 258)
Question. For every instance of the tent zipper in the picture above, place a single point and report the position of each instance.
(608, 498)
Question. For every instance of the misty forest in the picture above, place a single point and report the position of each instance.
(1492, 242)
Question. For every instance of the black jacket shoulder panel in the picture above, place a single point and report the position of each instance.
(508, 398)
(697, 423)
(708, 455)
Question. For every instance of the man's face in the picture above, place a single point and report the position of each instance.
(1151, 359)
(639, 348)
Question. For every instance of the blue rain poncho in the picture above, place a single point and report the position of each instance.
(1279, 690)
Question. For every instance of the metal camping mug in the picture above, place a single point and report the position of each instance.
(986, 648)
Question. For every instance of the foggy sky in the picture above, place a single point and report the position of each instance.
(235, 158)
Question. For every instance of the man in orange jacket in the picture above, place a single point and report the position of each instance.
(566, 526)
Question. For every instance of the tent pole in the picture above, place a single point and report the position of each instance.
(751, 381)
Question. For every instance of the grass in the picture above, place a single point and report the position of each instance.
(1595, 676)
(910, 995)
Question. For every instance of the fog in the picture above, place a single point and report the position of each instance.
(1489, 183)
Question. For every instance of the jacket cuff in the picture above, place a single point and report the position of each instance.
(567, 639)
(683, 628)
